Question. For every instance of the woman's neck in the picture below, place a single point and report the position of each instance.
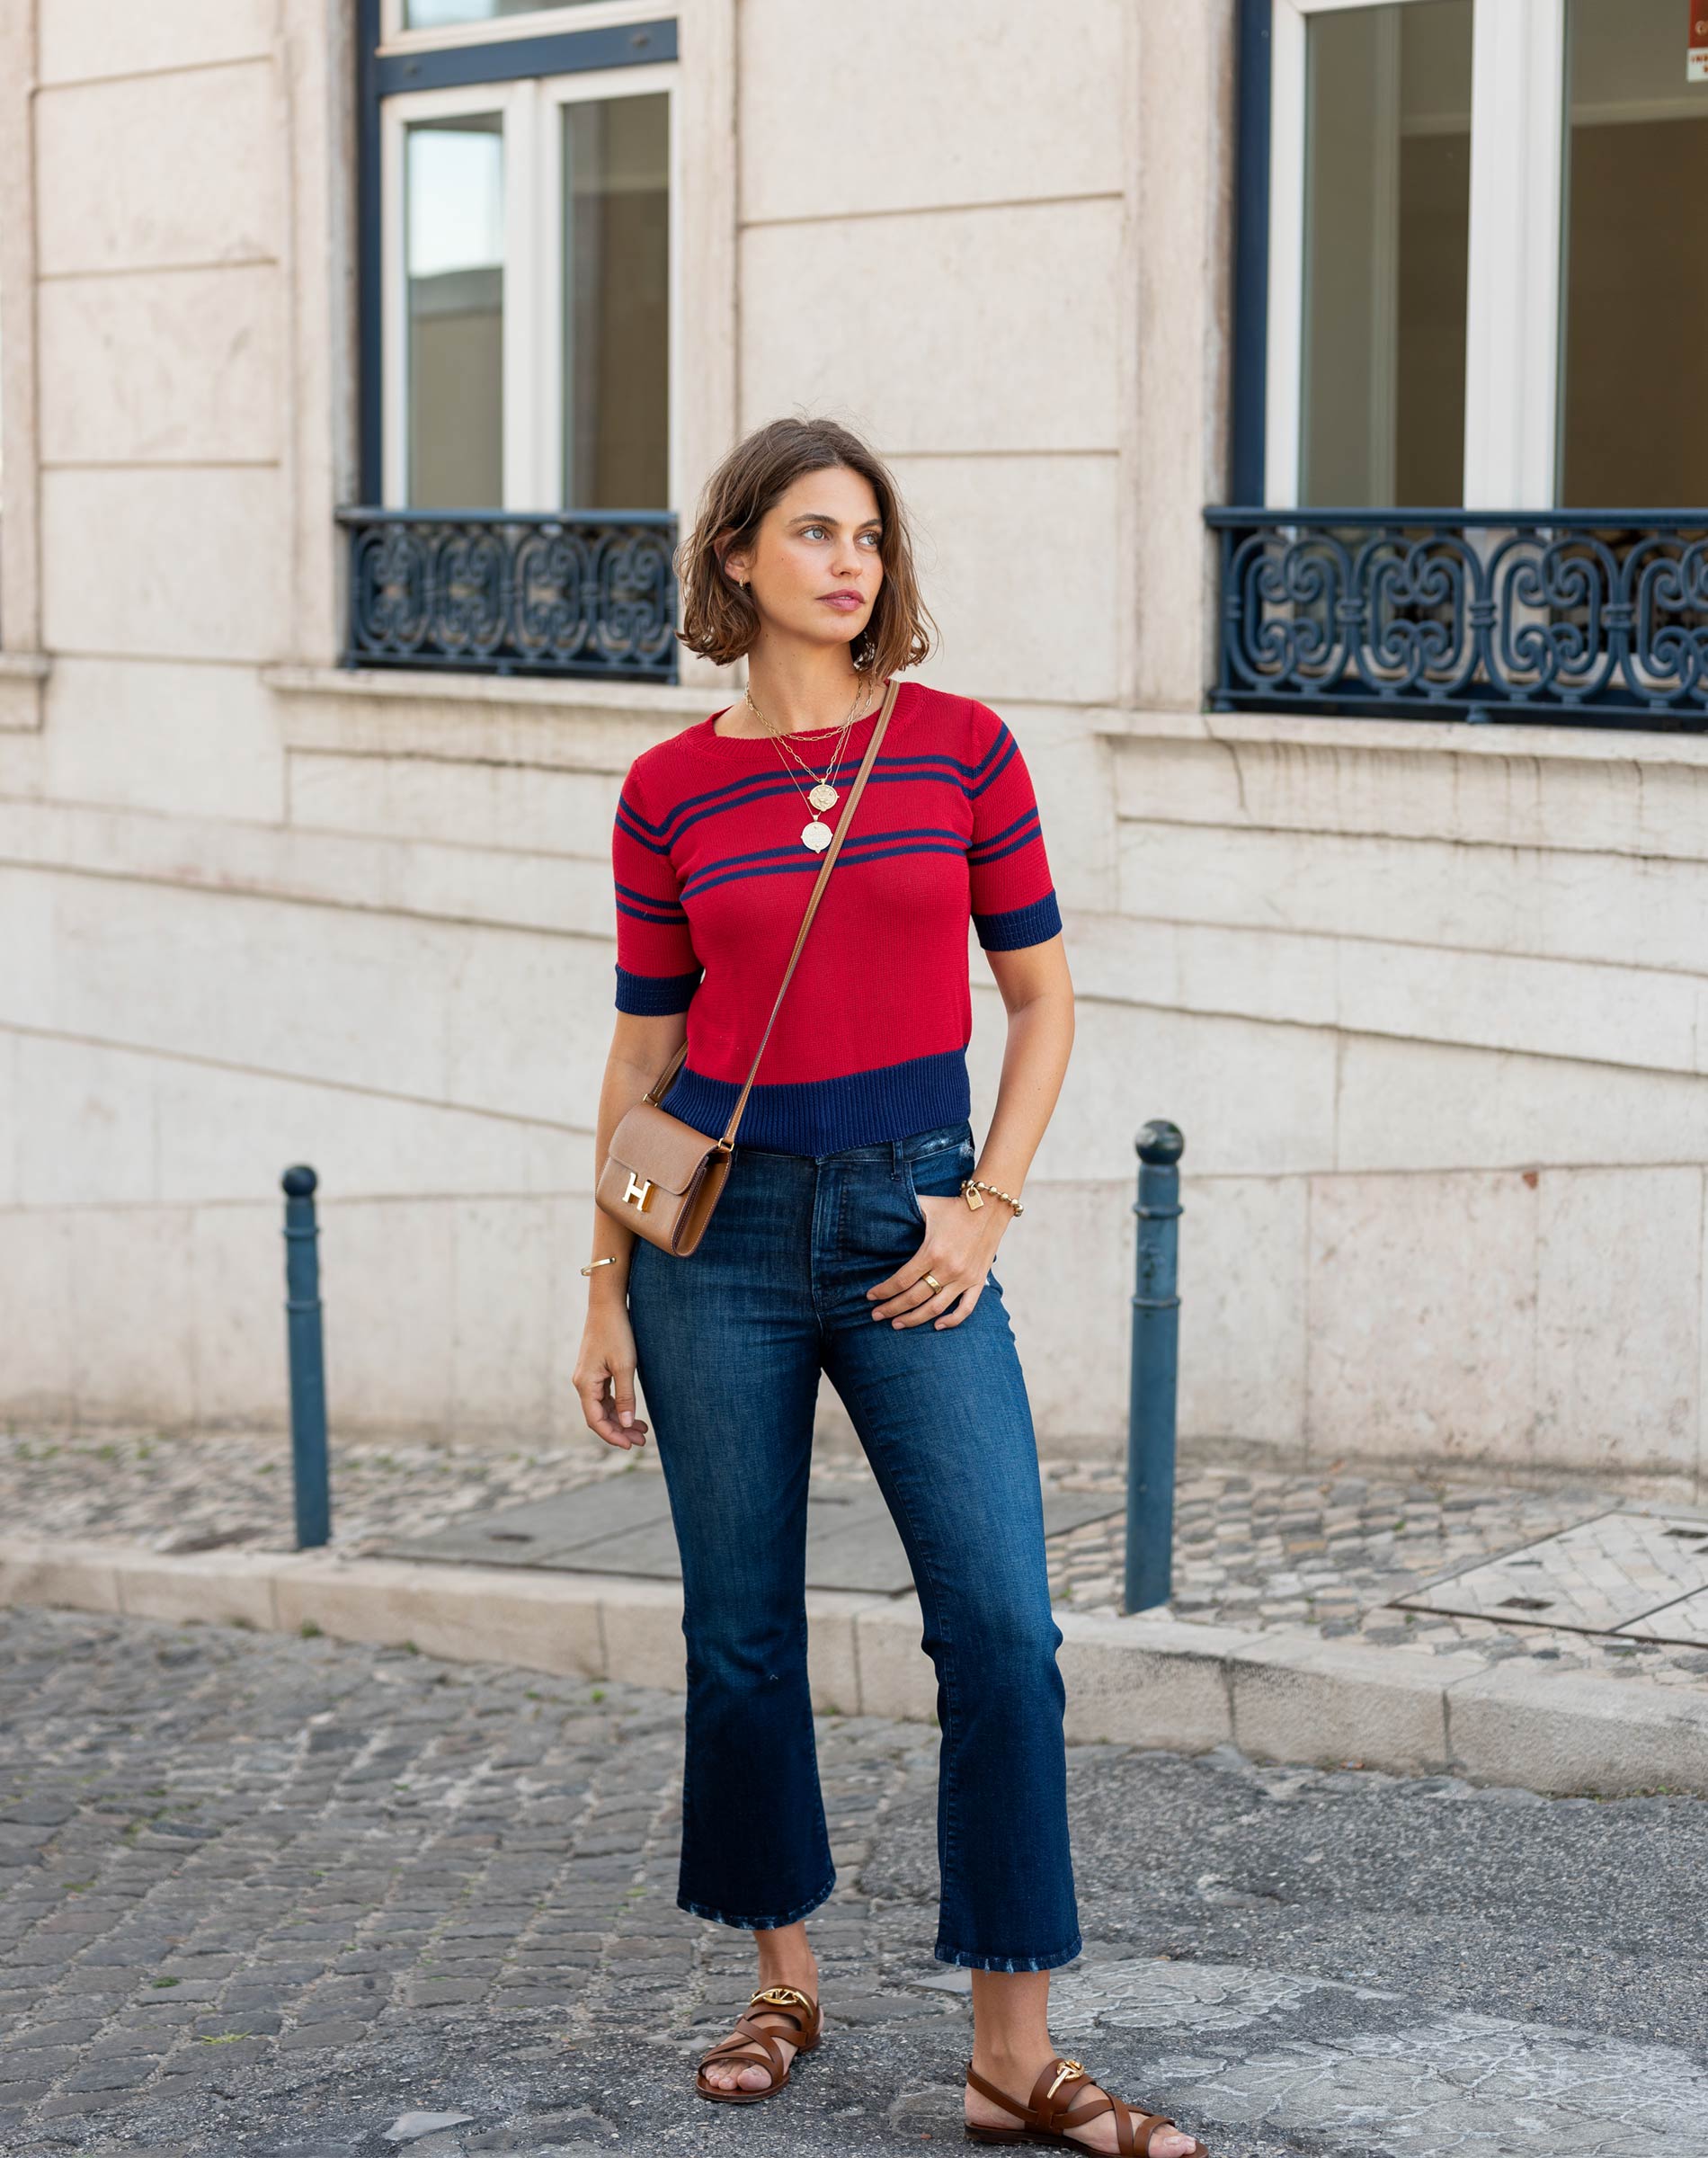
(799, 691)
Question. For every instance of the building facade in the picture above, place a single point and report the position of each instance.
(1297, 402)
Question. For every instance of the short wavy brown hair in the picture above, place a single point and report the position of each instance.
(720, 620)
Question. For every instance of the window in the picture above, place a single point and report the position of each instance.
(440, 14)
(401, 20)
(1482, 287)
(1469, 311)
(1635, 311)
(449, 402)
(527, 325)
(1387, 197)
(517, 205)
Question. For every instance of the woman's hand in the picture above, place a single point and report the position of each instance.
(605, 1375)
(958, 1248)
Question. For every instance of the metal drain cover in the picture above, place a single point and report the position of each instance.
(1644, 1575)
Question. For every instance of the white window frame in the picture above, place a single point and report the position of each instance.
(546, 21)
(1512, 295)
(533, 358)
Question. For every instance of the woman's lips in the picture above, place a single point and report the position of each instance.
(845, 603)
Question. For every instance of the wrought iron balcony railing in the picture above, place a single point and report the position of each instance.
(1577, 617)
(583, 592)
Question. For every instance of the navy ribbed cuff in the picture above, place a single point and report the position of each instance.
(1021, 925)
(652, 994)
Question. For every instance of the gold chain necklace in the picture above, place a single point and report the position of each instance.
(816, 834)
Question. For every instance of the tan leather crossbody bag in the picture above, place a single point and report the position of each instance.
(660, 1178)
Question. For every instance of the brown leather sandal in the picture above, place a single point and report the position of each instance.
(737, 2048)
(1045, 2116)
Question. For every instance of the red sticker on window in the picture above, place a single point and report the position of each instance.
(1696, 55)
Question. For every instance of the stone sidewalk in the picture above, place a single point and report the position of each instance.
(1284, 1623)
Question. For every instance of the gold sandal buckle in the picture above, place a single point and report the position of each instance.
(1064, 2069)
(782, 1996)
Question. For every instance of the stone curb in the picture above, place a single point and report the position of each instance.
(1284, 1695)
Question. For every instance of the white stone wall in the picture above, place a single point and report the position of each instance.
(1426, 1001)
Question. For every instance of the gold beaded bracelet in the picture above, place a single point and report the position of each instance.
(974, 1184)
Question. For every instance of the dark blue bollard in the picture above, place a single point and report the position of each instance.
(308, 1360)
(1154, 1371)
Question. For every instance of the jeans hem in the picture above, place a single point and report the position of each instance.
(1007, 1962)
(731, 1918)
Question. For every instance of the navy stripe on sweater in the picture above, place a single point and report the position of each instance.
(968, 779)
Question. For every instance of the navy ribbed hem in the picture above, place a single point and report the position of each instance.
(785, 1918)
(1021, 925)
(652, 994)
(824, 1116)
(1006, 1963)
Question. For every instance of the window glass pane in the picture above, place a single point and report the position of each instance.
(1635, 307)
(454, 262)
(617, 304)
(436, 14)
(1387, 216)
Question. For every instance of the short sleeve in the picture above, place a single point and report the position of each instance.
(1013, 897)
(657, 970)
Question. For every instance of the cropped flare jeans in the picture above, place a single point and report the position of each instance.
(730, 1343)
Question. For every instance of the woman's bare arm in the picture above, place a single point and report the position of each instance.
(641, 1047)
(1037, 994)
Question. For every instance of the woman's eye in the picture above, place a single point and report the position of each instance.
(873, 538)
(808, 530)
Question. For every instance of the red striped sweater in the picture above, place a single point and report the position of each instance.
(712, 879)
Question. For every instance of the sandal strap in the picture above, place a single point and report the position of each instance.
(743, 2041)
(1053, 2093)
(1094, 2109)
(998, 2098)
(1132, 2131)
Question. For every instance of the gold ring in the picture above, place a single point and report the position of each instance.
(932, 1280)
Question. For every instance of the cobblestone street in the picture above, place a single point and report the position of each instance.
(264, 1895)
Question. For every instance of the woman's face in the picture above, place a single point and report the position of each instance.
(816, 566)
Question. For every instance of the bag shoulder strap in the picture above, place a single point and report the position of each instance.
(656, 1092)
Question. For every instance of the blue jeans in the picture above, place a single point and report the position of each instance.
(730, 1342)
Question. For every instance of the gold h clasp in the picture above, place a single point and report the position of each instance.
(639, 1190)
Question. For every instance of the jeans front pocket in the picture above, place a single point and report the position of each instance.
(939, 1174)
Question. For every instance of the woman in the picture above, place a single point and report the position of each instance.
(855, 1237)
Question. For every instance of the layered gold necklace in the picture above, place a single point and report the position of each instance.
(815, 834)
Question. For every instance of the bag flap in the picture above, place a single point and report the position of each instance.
(659, 1146)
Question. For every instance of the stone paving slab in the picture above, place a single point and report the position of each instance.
(1603, 1576)
(1684, 1621)
(622, 1525)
